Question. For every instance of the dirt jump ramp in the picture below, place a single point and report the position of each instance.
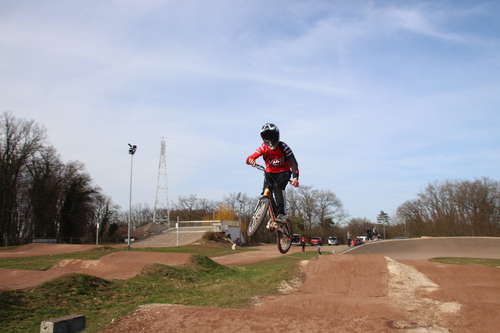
(119, 265)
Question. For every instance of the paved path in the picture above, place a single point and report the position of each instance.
(425, 248)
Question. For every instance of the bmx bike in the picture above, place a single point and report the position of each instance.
(266, 206)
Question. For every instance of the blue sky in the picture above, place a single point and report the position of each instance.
(375, 98)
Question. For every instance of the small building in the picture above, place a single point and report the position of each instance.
(232, 230)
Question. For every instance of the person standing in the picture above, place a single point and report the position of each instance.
(368, 235)
(349, 238)
(303, 244)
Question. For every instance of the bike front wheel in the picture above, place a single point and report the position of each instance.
(285, 237)
(259, 214)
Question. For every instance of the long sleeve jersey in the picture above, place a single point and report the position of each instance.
(277, 160)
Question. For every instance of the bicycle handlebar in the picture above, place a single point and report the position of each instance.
(259, 167)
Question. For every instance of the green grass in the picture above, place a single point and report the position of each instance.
(202, 282)
(468, 261)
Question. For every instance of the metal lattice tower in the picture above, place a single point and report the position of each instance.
(161, 214)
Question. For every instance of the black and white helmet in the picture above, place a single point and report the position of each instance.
(271, 135)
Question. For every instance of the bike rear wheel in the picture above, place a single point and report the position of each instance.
(285, 237)
(259, 214)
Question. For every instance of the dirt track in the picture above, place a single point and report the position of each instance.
(348, 293)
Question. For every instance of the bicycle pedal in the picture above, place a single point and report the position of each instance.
(271, 225)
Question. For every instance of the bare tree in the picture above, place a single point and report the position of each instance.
(141, 215)
(77, 210)
(40, 196)
(306, 205)
(186, 207)
(357, 226)
(240, 203)
(206, 209)
(330, 209)
(20, 141)
(105, 214)
(454, 208)
(192, 208)
(46, 188)
(315, 207)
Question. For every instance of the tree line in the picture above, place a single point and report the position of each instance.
(453, 208)
(43, 197)
(40, 195)
(312, 211)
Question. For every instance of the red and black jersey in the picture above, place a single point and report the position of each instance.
(278, 159)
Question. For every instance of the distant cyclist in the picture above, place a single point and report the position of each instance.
(281, 165)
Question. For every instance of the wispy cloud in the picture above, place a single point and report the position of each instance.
(376, 90)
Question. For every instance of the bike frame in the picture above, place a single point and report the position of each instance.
(283, 230)
(272, 207)
(269, 194)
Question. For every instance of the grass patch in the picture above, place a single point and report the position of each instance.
(202, 282)
(4, 248)
(468, 261)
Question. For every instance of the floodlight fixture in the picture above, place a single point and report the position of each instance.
(131, 151)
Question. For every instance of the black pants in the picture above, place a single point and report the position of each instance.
(277, 182)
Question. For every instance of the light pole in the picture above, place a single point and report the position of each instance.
(131, 151)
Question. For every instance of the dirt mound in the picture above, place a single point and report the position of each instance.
(119, 265)
(40, 249)
(149, 258)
